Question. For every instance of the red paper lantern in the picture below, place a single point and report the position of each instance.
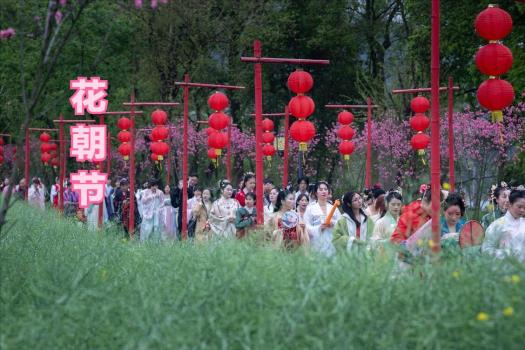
(267, 125)
(45, 137)
(268, 137)
(419, 122)
(302, 131)
(124, 123)
(218, 140)
(1, 141)
(162, 148)
(300, 82)
(159, 117)
(345, 118)
(124, 136)
(301, 106)
(45, 147)
(45, 157)
(268, 151)
(212, 154)
(495, 94)
(155, 157)
(218, 120)
(493, 23)
(55, 163)
(210, 131)
(346, 148)
(419, 104)
(159, 133)
(494, 59)
(345, 132)
(53, 146)
(124, 150)
(218, 101)
(420, 141)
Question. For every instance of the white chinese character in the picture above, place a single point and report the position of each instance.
(89, 95)
(88, 142)
(90, 187)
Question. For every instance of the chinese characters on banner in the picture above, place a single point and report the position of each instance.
(88, 142)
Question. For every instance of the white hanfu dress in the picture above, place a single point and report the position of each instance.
(151, 225)
(320, 241)
(506, 237)
(221, 210)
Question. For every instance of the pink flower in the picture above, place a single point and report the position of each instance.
(7, 33)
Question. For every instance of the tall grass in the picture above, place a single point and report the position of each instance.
(63, 287)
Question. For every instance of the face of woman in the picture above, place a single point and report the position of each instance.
(227, 191)
(517, 209)
(167, 190)
(394, 206)
(302, 186)
(288, 202)
(249, 202)
(357, 201)
(197, 194)
(206, 195)
(452, 215)
(250, 184)
(322, 192)
(303, 203)
(273, 195)
(503, 200)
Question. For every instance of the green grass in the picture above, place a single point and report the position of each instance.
(63, 287)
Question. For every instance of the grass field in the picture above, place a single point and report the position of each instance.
(63, 287)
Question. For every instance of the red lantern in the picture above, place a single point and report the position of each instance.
(218, 101)
(493, 23)
(268, 137)
(1, 141)
(124, 123)
(267, 125)
(159, 117)
(45, 137)
(345, 132)
(302, 131)
(268, 151)
(494, 59)
(346, 148)
(155, 157)
(212, 154)
(301, 106)
(300, 82)
(210, 131)
(419, 122)
(420, 141)
(124, 136)
(45, 147)
(162, 149)
(495, 94)
(218, 120)
(218, 140)
(55, 163)
(53, 146)
(419, 104)
(159, 133)
(345, 118)
(45, 157)
(124, 150)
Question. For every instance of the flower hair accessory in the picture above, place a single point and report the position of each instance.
(423, 188)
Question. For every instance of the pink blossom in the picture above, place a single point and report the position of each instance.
(7, 33)
(58, 17)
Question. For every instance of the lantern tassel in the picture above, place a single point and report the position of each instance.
(497, 116)
(421, 153)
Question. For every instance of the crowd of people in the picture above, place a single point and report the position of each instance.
(308, 217)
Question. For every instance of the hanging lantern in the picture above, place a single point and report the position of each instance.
(155, 157)
(300, 82)
(419, 104)
(495, 95)
(55, 163)
(267, 124)
(268, 137)
(212, 153)
(159, 133)
(45, 137)
(124, 123)
(493, 23)
(124, 136)
(159, 117)
(268, 151)
(218, 120)
(346, 148)
(53, 146)
(218, 101)
(301, 106)
(419, 142)
(45, 157)
(124, 150)
(419, 122)
(45, 147)
(302, 131)
(162, 149)
(345, 132)
(210, 131)
(345, 118)
(218, 141)
(494, 59)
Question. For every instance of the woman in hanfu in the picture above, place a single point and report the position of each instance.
(152, 200)
(269, 209)
(200, 212)
(319, 232)
(222, 213)
(499, 199)
(284, 224)
(452, 220)
(354, 227)
(247, 186)
(301, 203)
(384, 226)
(168, 216)
(506, 236)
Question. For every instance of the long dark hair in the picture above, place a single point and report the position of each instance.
(301, 196)
(515, 195)
(346, 206)
(245, 179)
(281, 197)
(455, 199)
(392, 195)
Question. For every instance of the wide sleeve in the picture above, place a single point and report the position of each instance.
(491, 244)
(312, 226)
(379, 230)
(242, 220)
(400, 233)
(340, 235)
